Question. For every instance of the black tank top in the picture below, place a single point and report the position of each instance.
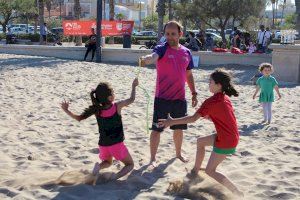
(110, 128)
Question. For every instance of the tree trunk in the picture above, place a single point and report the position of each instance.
(77, 12)
(184, 24)
(36, 18)
(297, 2)
(41, 17)
(170, 10)
(48, 5)
(111, 10)
(104, 10)
(111, 17)
(223, 34)
(273, 15)
(160, 9)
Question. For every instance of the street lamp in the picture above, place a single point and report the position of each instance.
(140, 15)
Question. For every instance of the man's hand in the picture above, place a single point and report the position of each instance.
(142, 61)
(194, 100)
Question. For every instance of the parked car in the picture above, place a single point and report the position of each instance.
(146, 33)
(57, 30)
(18, 30)
(228, 31)
(277, 34)
(210, 30)
(214, 36)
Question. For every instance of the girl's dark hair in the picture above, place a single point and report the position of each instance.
(221, 76)
(99, 98)
(100, 95)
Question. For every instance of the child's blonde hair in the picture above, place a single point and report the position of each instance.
(262, 66)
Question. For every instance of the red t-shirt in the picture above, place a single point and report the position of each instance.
(219, 109)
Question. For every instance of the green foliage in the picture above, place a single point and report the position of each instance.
(151, 22)
(54, 22)
(11, 9)
(290, 21)
(120, 16)
(217, 13)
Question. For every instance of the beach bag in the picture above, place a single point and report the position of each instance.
(235, 50)
(219, 50)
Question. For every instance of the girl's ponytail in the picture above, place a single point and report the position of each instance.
(221, 76)
(93, 98)
(231, 91)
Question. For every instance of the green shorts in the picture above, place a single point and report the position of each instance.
(224, 151)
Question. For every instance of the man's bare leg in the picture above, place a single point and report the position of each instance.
(154, 142)
(178, 137)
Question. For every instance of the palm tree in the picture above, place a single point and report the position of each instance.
(170, 9)
(160, 9)
(111, 17)
(48, 5)
(282, 12)
(111, 10)
(273, 13)
(41, 17)
(77, 12)
(297, 3)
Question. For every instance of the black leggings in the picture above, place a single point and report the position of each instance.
(89, 48)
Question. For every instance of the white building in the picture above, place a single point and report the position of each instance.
(290, 8)
(131, 9)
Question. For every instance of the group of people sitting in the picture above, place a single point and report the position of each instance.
(240, 42)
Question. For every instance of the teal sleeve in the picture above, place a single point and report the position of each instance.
(274, 82)
(258, 82)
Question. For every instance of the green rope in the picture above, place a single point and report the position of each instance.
(146, 94)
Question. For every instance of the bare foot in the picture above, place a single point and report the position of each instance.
(95, 179)
(264, 122)
(96, 169)
(152, 165)
(184, 160)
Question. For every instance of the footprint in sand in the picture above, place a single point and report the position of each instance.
(246, 153)
(283, 196)
(267, 187)
(8, 193)
(293, 189)
(94, 151)
(262, 159)
(291, 148)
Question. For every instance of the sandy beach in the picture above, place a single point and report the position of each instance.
(39, 142)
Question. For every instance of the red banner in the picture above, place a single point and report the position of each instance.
(108, 28)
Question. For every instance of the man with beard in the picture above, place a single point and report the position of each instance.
(173, 63)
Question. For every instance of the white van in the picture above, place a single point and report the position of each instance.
(17, 31)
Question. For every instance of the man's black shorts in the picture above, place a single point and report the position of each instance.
(162, 107)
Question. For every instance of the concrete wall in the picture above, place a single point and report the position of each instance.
(286, 62)
(130, 56)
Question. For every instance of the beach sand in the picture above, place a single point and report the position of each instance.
(40, 143)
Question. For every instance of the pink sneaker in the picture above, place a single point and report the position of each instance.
(96, 169)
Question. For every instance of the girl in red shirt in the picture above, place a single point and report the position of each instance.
(219, 110)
